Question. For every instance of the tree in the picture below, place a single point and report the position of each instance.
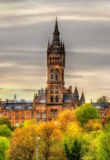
(4, 120)
(23, 143)
(73, 151)
(65, 119)
(85, 113)
(102, 146)
(93, 125)
(5, 131)
(50, 146)
(102, 99)
(4, 145)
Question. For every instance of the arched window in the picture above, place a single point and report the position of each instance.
(51, 89)
(56, 89)
(51, 99)
(56, 99)
(56, 75)
(55, 113)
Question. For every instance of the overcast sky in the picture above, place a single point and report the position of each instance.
(26, 26)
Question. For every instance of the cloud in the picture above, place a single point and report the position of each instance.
(73, 76)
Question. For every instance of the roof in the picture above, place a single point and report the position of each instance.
(18, 106)
(67, 98)
(41, 98)
(101, 105)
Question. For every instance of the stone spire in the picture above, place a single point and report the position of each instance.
(82, 99)
(76, 94)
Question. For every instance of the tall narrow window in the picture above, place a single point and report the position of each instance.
(51, 89)
(57, 89)
(55, 113)
(52, 113)
(56, 98)
(52, 75)
(22, 115)
(51, 99)
(56, 75)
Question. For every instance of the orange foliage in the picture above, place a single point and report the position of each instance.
(23, 143)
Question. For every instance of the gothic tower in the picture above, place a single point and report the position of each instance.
(55, 68)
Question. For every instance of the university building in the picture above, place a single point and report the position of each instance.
(55, 99)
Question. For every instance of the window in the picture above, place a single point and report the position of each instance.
(57, 89)
(57, 75)
(52, 113)
(51, 89)
(44, 115)
(16, 124)
(22, 115)
(52, 75)
(56, 98)
(51, 99)
(55, 113)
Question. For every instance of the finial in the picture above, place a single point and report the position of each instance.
(56, 26)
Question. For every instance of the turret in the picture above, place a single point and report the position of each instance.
(82, 99)
(76, 94)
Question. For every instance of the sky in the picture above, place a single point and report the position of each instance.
(26, 26)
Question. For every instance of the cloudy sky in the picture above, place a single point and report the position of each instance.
(26, 26)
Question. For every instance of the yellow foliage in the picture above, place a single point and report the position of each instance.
(66, 118)
(93, 125)
(50, 141)
(74, 129)
(23, 143)
(30, 122)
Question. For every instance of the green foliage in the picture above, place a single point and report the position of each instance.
(73, 151)
(103, 146)
(4, 120)
(102, 99)
(5, 131)
(86, 112)
(4, 145)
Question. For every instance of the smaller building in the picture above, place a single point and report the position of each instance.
(17, 112)
(103, 109)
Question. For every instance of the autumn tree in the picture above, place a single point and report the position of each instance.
(102, 99)
(85, 113)
(93, 125)
(23, 142)
(50, 146)
(4, 145)
(65, 119)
